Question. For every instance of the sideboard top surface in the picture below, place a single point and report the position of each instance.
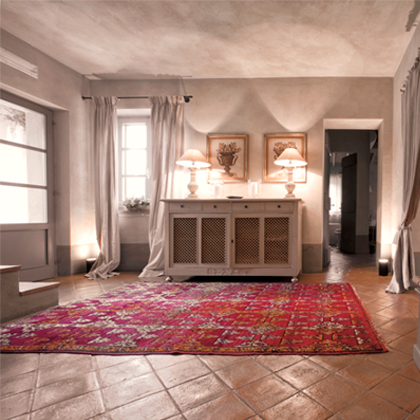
(229, 200)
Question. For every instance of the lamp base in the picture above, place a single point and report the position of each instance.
(290, 187)
(192, 186)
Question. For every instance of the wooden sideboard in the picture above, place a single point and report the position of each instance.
(223, 237)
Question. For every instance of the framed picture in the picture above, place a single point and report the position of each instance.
(274, 145)
(228, 157)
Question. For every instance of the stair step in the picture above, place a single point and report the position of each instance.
(9, 268)
(26, 288)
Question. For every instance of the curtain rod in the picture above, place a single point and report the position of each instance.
(187, 98)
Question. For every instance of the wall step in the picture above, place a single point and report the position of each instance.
(26, 287)
(19, 299)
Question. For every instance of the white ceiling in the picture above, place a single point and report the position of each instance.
(131, 39)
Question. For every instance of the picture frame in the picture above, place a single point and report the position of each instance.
(228, 157)
(274, 144)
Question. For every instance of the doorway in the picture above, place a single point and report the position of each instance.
(26, 188)
(350, 188)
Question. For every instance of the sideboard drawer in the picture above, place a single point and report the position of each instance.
(279, 207)
(215, 207)
(185, 206)
(246, 207)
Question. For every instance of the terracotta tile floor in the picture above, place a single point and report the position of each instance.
(351, 387)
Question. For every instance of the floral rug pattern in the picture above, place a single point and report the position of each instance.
(203, 318)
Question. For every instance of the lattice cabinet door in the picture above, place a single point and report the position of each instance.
(247, 240)
(277, 240)
(214, 240)
(184, 240)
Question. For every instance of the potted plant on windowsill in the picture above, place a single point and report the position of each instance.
(137, 204)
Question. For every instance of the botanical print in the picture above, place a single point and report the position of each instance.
(227, 155)
(275, 144)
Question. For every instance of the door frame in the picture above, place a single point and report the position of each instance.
(357, 124)
(50, 269)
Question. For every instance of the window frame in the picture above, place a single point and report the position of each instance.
(123, 119)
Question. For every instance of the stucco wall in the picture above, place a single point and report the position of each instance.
(60, 88)
(252, 106)
(258, 106)
(400, 76)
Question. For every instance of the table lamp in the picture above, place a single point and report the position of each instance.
(290, 159)
(193, 159)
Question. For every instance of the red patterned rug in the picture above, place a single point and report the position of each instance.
(203, 318)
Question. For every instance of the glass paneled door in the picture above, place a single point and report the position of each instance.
(26, 209)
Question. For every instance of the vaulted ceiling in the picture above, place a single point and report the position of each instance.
(132, 39)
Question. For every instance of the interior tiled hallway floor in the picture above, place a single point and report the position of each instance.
(349, 387)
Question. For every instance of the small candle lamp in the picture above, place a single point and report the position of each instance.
(383, 267)
(89, 264)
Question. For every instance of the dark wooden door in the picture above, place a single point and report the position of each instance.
(348, 205)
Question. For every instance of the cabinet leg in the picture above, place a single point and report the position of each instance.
(169, 279)
(295, 280)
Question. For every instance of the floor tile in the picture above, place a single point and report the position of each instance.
(123, 371)
(157, 407)
(160, 361)
(370, 406)
(335, 363)
(216, 362)
(15, 364)
(131, 390)
(391, 360)
(51, 359)
(404, 344)
(226, 407)
(102, 362)
(242, 373)
(199, 391)
(49, 375)
(394, 311)
(83, 407)
(411, 371)
(403, 325)
(334, 393)
(303, 374)
(14, 405)
(182, 372)
(296, 407)
(61, 391)
(387, 336)
(276, 362)
(365, 373)
(401, 391)
(266, 392)
(127, 391)
(14, 384)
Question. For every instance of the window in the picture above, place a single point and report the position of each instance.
(23, 165)
(134, 157)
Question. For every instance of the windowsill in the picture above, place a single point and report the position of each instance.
(137, 213)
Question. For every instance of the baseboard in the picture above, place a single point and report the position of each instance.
(312, 258)
(416, 355)
(134, 257)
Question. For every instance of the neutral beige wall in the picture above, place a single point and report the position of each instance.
(400, 76)
(252, 106)
(258, 106)
(59, 88)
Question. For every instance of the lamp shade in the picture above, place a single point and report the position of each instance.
(290, 158)
(193, 158)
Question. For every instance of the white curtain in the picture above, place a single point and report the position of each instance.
(403, 266)
(167, 124)
(106, 200)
